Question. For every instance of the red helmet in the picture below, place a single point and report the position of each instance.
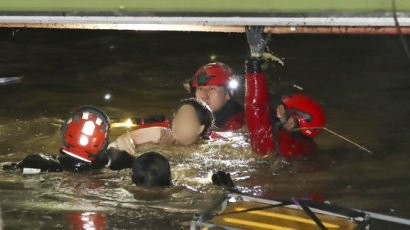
(307, 111)
(216, 73)
(85, 134)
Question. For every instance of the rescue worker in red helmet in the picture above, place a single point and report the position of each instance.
(214, 84)
(85, 134)
(297, 119)
(84, 146)
(302, 112)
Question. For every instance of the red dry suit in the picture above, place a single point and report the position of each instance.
(259, 119)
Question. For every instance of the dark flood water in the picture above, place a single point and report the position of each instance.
(363, 83)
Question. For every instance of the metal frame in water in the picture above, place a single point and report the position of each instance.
(206, 220)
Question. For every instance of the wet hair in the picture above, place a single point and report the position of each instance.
(204, 113)
(152, 169)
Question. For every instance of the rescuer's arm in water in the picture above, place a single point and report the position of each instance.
(258, 117)
(50, 163)
(112, 158)
(149, 168)
(41, 161)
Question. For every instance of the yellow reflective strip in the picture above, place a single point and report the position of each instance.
(255, 224)
(288, 217)
(205, 228)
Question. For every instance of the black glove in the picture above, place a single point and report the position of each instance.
(256, 40)
(119, 159)
(12, 166)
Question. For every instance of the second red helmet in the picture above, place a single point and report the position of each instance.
(211, 74)
(307, 111)
(85, 134)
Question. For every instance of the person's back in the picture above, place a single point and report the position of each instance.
(84, 146)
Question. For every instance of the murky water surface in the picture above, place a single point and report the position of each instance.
(362, 81)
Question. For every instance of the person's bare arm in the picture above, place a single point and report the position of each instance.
(129, 141)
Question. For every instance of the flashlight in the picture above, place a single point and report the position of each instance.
(233, 84)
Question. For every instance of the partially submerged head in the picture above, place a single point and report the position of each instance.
(302, 113)
(192, 120)
(214, 84)
(151, 169)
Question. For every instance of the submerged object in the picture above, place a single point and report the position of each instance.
(10, 80)
(237, 211)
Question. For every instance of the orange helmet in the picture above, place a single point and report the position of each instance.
(307, 111)
(85, 134)
(216, 73)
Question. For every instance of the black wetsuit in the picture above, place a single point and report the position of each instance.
(230, 111)
(112, 158)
